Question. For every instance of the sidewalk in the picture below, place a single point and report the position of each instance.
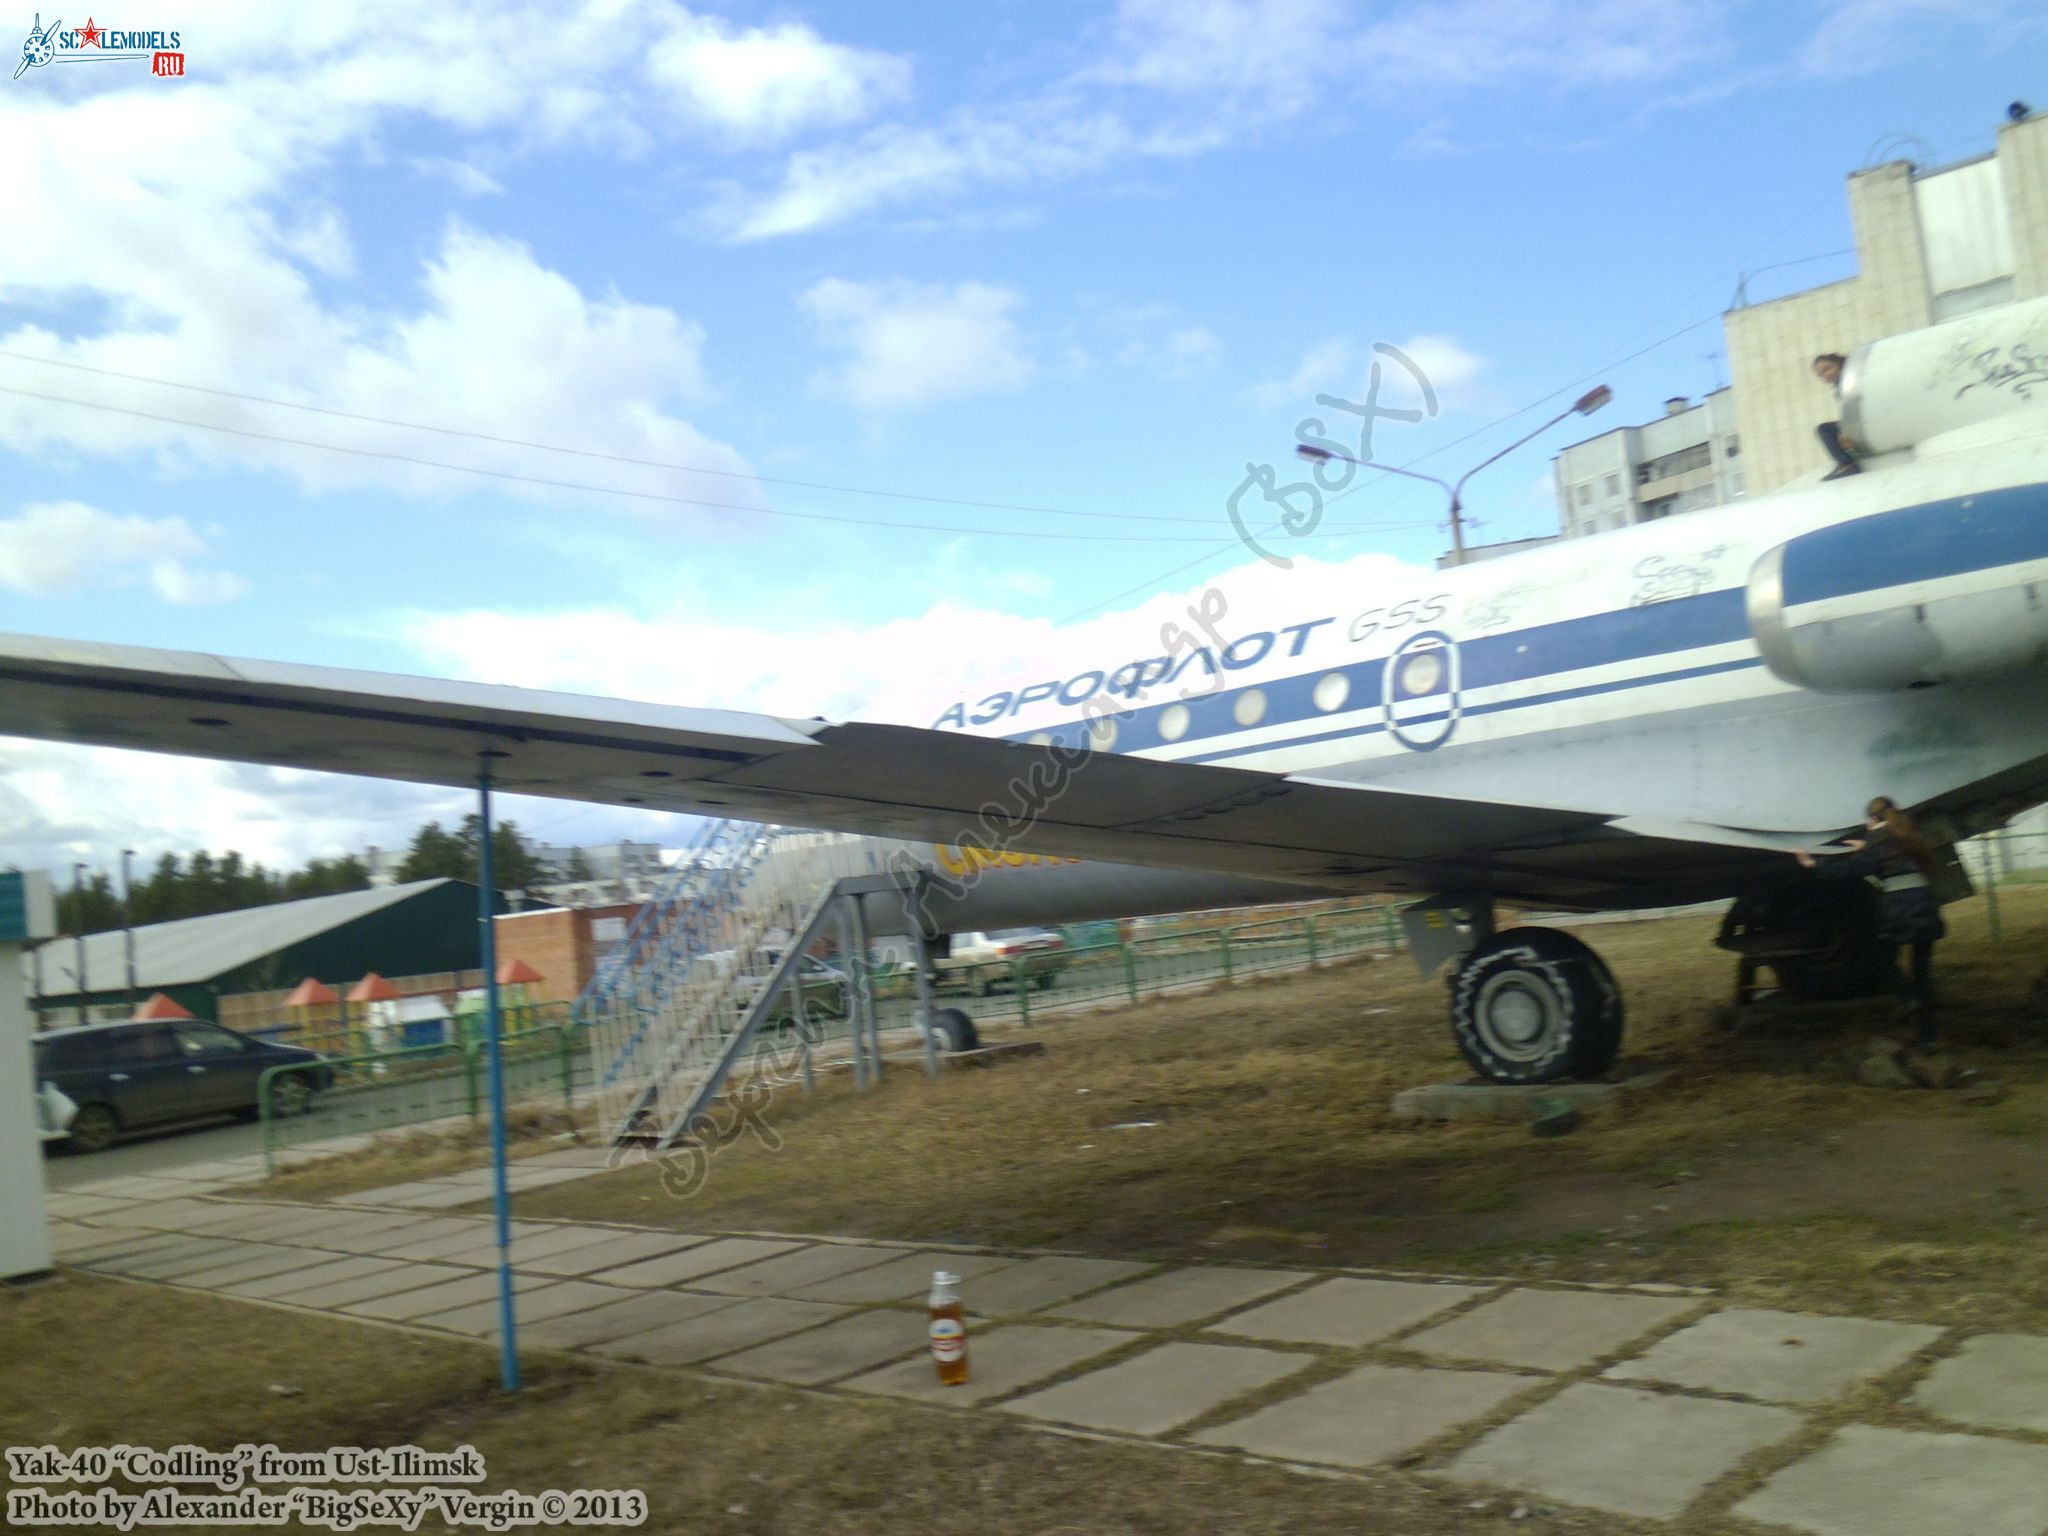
(1642, 1401)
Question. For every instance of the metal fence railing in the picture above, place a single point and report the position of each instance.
(546, 1064)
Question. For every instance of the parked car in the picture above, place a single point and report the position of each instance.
(983, 961)
(131, 1076)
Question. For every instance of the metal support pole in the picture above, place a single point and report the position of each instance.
(501, 1199)
(128, 923)
(78, 932)
(864, 985)
(1991, 892)
(858, 1041)
(920, 960)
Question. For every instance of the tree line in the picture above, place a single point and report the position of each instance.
(206, 882)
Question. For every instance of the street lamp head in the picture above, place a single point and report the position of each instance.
(1592, 400)
(1307, 451)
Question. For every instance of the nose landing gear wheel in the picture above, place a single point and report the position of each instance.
(1534, 1005)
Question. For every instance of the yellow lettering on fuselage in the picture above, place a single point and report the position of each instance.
(961, 860)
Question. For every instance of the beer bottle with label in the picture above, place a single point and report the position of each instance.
(949, 1330)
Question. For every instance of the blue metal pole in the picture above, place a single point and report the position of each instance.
(501, 1198)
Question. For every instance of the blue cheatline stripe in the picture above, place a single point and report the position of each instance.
(1569, 645)
(1940, 538)
(1558, 696)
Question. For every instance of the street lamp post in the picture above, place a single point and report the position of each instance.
(128, 923)
(78, 929)
(1585, 405)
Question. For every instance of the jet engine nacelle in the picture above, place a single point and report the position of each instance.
(1951, 591)
(1905, 389)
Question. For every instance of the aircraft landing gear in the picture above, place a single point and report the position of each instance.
(1535, 1005)
(1820, 939)
(1532, 1005)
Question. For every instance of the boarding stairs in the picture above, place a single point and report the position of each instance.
(671, 1011)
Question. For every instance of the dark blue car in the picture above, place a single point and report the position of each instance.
(132, 1076)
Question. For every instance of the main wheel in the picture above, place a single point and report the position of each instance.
(1534, 1005)
(290, 1095)
(954, 1030)
(1842, 918)
(94, 1128)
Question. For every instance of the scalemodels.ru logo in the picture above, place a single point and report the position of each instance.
(93, 43)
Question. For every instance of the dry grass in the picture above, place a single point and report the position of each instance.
(711, 1456)
(398, 1156)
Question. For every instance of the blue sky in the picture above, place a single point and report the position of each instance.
(1089, 257)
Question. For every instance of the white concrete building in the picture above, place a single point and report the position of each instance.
(1932, 242)
(1690, 457)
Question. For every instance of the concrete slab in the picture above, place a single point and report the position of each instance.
(1549, 1330)
(1347, 1311)
(532, 1245)
(423, 1229)
(163, 1215)
(640, 1312)
(422, 1301)
(77, 1204)
(393, 1194)
(1000, 1361)
(404, 1277)
(1618, 1449)
(466, 1238)
(1176, 1297)
(273, 1260)
(1780, 1357)
(442, 1197)
(276, 1224)
(1517, 1104)
(169, 1263)
(555, 1299)
(1375, 1414)
(907, 1278)
(105, 1244)
(789, 1273)
(1037, 1283)
(858, 1343)
(524, 1176)
(287, 1285)
(1160, 1389)
(1999, 1380)
(611, 1250)
(692, 1263)
(696, 1339)
(1894, 1482)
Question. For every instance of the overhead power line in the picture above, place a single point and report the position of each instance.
(611, 490)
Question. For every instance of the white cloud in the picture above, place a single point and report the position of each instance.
(1855, 37)
(56, 547)
(465, 178)
(770, 82)
(913, 344)
(1340, 366)
(1273, 52)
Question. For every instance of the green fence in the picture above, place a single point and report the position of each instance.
(546, 1064)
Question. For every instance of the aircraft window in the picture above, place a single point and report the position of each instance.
(1421, 673)
(1332, 690)
(1102, 733)
(1250, 707)
(1173, 722)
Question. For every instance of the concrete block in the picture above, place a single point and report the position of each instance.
(556, 1298)
(276, 1260)
(640, 1312)
(1999, 1380)
(401, 1277)
(908, 1278)
(1037, 1283)
(754, 1321)
(169, 1264)
(1000, 1361)
(291, 1283)
(1375, 1414)
(424, 1229)
(1613, 1448)
(422, 1301)
(1519, 1104)
(610, 1250)
(1160, 1389)
(1178, 1296)
(858, 1343)
(1895, 1482)
(534, 1245)
(1548, 1330)
(790, 1273)
(690, 1263)
(1780, 1357)
(1346, 1311)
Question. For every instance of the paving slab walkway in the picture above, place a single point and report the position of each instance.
(1642, 1402)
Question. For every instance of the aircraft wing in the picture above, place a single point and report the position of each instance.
(881, 780)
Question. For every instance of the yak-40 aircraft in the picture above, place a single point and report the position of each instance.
(1652, 717)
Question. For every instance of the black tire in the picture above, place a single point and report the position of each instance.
(1534, 1005)
(94, 1128)
(953, 1030)
(290, 1094)
(1844, 913)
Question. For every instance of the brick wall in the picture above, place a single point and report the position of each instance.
(559, 943)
